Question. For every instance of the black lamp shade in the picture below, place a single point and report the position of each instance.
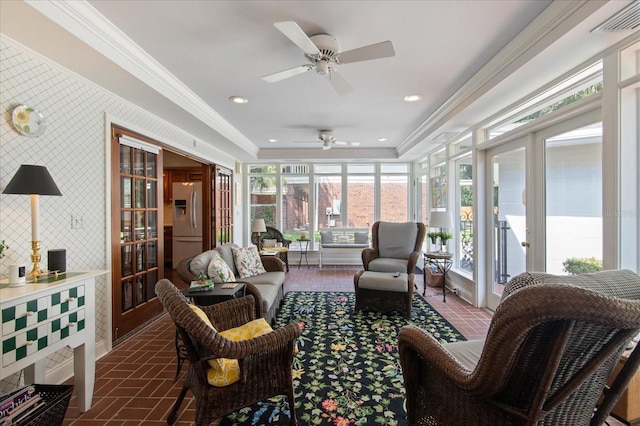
(30, 179)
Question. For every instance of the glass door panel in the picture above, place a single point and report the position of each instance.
(136, 217)
(573, 201)
(509, 230)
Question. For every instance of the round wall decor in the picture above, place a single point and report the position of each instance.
(28, 121)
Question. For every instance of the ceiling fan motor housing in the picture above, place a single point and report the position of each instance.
(328, 46)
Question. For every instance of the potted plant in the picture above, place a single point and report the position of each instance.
(444, 236)
(3, 247)
(434, 237)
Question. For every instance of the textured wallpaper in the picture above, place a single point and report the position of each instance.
(73, 149)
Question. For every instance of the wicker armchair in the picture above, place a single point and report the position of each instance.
(274, 234)
(265, 361)
(396, 247)
(552, 344)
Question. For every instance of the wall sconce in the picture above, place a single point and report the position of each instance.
(34, 181)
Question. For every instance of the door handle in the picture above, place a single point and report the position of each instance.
(525, 244)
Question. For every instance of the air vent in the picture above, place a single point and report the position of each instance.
(625, 20)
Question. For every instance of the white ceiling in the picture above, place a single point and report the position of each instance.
(182, 60)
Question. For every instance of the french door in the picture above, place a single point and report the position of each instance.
(136, 245)
(507, 229)
(222, 209)
(545, 193)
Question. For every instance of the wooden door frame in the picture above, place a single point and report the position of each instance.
(152, 308)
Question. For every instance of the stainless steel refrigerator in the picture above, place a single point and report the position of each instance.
(187, 215)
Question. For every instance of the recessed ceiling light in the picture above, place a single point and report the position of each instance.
(238, 100)
(382, 139)
(412, 98)
(273, 140)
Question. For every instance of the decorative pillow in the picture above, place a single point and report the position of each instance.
(219, 271)
(200, 263)
(248, 261)
(269, 243)
(225, 371)
(326, 237)
(202, 315)
(361, 237)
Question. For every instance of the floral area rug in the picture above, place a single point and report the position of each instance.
(347, 369)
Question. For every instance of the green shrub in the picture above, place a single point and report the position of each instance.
(582, 265)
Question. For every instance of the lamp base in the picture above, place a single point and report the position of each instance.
(35, 260)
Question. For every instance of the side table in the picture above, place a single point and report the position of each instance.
(304, 250)
(443, 262)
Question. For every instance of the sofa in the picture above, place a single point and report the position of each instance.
(267, 288)
(343, 241)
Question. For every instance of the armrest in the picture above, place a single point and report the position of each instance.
(272, 263)
(183, 271)
(368, 255)
(264, 343)
(416, 346)
(413, 261)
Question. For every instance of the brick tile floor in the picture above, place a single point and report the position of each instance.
(134, 383)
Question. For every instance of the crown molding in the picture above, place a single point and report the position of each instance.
(86, 23)
(554, 21)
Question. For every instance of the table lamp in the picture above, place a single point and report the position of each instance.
(442, 220)
(259, 227)
(34, 181)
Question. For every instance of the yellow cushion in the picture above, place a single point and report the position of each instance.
(202, 316)
(225, 371)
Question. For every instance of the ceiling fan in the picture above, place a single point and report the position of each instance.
(327, 139)
(323, 53)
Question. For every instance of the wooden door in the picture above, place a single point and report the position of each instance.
(137, 245)
(222, 212)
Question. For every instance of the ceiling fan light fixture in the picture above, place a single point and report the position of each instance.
(238, 99)
(322, 68)
(326, 145)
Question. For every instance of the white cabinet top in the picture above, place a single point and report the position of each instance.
(8, 294)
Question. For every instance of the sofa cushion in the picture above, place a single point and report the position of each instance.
(326, 237)
(467, 353)
(275, 278)
(226, 253)
(219, 271)
(248, 261)
(200, 263)
(361, 237)
(393, 239)
(385, 264)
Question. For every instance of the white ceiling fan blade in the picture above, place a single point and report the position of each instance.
(272, 78)
(350, 143)
(297, 36)
(339, 83)
(373, 51)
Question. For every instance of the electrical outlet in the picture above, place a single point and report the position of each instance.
(455, 291)
(77, 222)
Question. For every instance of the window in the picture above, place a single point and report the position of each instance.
(465, 213)
(295, 201)
(394, 192)
(361, 194)
(328, 188)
